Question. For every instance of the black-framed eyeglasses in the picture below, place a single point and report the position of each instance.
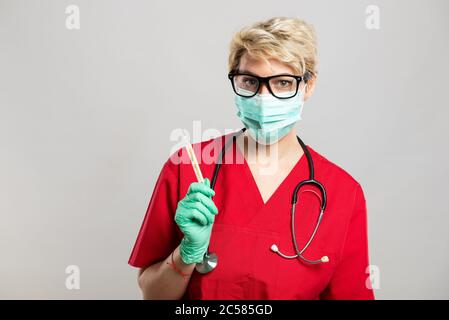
(282, 86)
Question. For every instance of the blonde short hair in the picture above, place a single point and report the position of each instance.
(289, 40)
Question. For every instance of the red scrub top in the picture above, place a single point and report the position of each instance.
(245, 228)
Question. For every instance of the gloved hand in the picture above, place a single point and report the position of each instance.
(195, 216)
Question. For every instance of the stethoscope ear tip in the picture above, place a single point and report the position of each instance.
(274, 248)
(324, 259)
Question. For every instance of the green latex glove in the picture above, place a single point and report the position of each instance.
(195, 216)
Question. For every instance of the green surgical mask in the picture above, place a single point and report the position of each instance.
(267, 118)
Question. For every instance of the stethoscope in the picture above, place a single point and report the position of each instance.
(210, 259)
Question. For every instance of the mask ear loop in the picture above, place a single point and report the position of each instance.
(305, 79)
(303, 91)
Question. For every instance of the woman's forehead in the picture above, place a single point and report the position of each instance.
(260, 67)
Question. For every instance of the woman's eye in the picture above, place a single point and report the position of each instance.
(250, 82)
(284, 83)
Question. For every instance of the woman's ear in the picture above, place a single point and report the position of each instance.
(310, 86)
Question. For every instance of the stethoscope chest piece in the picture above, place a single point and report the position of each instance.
(208, 264)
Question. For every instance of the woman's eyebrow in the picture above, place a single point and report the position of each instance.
(253, 74)
(249, 72)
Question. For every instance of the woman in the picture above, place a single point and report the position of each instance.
(245, 219)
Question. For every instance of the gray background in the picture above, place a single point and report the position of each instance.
(85, 119)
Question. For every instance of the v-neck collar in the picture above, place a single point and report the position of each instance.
(252, 184)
